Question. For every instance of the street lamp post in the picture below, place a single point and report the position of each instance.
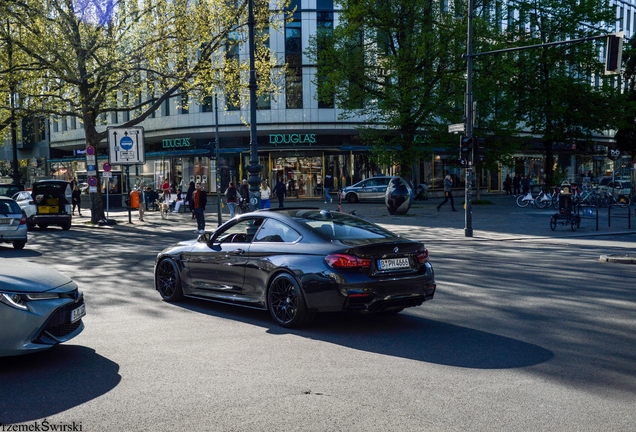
(218, 175)
(15, 174)
(254, 168)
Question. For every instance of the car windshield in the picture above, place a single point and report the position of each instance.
(341, 226)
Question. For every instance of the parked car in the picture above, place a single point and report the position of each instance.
(296, 262)
(371, 189)
(13, 225)
(49, 203)
(9, 189)
(39, 308)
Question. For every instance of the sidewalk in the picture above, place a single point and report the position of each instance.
(501, 220)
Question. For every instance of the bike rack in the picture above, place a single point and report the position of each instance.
(583, 213)
(628, 216)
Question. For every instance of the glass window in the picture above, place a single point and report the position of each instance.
(334, 225)
(241, 232)
(276, 231)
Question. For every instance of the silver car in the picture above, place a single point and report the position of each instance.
(13, 225)
(39, 308)
(371, 189)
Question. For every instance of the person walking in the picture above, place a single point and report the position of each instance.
(76, 199)
(266, 192)
(188, 198)
(280, 190)
(507, 184)
(143, 201)
(231, 197)
(200, 199)
(448, 192)
(516, 184)
(328, 187)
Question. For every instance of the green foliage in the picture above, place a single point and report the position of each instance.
(398, 65)
(86, 59)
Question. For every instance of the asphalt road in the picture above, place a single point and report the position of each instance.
(526, 332)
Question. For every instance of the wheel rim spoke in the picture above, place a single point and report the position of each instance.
(284, 300)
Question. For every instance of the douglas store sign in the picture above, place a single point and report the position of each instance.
(175, 143)
(277, 139)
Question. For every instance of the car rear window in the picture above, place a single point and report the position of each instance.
(9, 207)
(340, 226)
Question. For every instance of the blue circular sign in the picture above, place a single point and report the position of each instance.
(126, 143)
(92, 181)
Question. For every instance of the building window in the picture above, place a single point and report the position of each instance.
(324, 23)
(294, 59)
(232, 101)
(55, 125)
(183, 106)
(73, 123)
(165, 108)
(207, 106)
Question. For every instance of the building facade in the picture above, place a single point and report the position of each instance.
(299, 139)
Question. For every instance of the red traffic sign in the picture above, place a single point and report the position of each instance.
(90, 150)
(107, 167)
(92, 181)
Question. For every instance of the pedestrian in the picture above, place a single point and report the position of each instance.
(244, 190)
(266, 192)
(516, 184)
(165, 187)
(328, 187)
(507, 184)
(280, 190)
(188, 198)
(525, 184)
(143, 201)
(76, 199)
(178, 202)
(448, 192)
(231, 197)
(200, 199)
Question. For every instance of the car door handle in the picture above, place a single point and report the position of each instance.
(238, 252)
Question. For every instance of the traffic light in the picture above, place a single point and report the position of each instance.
(478, 151)
(614, 53)
(464, 151)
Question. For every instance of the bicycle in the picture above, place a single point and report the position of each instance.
(542, 200)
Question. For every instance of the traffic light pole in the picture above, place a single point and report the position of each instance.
(468, 217)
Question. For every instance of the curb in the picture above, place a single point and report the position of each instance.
(620, 259)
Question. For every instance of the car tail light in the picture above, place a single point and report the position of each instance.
(422, 257)
(23, 220)
(346, 261)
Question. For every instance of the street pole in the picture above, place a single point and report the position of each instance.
(254, 168)
(218, 176)
(15, 174)
(468, 225)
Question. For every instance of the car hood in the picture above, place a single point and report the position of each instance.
(32, 278)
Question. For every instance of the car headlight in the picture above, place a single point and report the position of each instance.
(19, 301)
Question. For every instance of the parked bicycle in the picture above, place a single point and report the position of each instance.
(542, 200)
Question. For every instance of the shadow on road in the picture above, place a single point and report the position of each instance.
(403, 335)
(42, 384)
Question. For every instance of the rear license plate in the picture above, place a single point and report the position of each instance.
(78, 313)
(394, 264)
(5, 221)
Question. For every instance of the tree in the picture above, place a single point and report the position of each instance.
(554, 86)
(97, 57)
(626, 134)
(399, 64)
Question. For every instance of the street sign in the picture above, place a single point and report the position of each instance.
(106, 167)
(126, 146)
(613, 154)
(90, 150)
(92, 181)
(457, 127)
(107, 174)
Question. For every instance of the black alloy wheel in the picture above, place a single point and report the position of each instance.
(352, 198)
(286, 303)
(167, 281)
